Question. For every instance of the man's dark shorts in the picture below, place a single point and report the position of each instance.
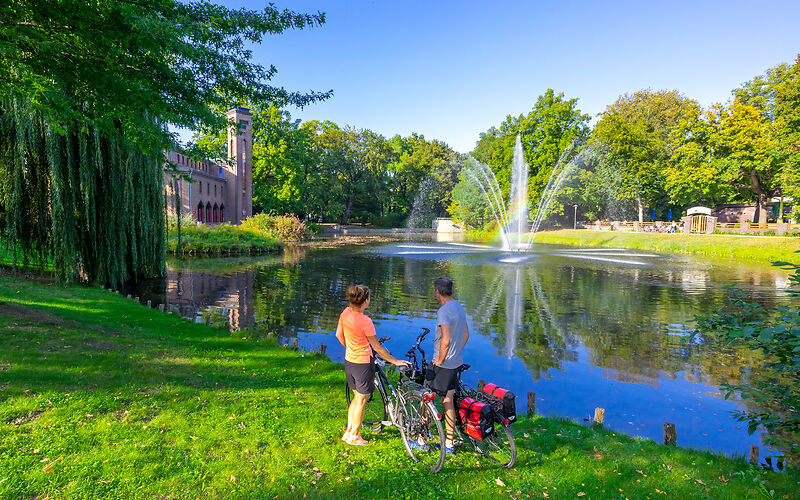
(440, 380)
(360, 376)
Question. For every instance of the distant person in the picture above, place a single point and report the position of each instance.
(452, 334)
(357, 334)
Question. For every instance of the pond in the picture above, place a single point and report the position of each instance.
(580, 328)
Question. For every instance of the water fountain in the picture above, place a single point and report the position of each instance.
(516, 231)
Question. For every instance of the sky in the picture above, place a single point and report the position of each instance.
(450, 70)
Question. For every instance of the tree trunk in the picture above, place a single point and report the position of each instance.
(347, 210)
(641, 209)
(762, 207)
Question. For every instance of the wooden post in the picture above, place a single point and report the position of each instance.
(481, 383)
(161, 307)
(322, 349)
(294, 343)
(670, 434)
(149, 304)
(531, 404)
(754, 454)
(599, 416)
(129, 295)
(136, 299)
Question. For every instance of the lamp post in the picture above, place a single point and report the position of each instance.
(575, 223)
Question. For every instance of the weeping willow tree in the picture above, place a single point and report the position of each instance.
(82, 200)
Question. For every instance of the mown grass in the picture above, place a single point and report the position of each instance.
(101, 397)
(743, 248)
(223, 238)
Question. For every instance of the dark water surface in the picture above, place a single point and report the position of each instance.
(582, 328)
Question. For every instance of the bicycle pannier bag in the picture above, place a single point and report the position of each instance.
(509, 406)
(477, 418)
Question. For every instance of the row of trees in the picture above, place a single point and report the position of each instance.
(654, 151)
(338, 172)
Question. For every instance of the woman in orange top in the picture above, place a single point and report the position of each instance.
(357, 334)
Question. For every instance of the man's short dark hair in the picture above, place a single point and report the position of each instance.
(444, 286)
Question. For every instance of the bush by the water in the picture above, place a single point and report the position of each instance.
(283, 227)
(774, 399)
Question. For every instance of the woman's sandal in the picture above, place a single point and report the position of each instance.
(357, 440)
(346, 436)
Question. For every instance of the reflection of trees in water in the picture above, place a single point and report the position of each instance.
(624, 318)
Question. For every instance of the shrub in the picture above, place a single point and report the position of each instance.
(284, 227)
(776, 333)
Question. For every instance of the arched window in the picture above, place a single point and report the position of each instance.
(222, 213)
(208, 212)
(216, 213)
(200, 212)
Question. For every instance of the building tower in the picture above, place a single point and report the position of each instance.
(239, 185)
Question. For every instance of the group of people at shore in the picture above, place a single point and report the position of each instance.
(357, 334)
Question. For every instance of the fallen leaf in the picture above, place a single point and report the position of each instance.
(700, 481)
(722, 478)
(49, 467)
(498, 482)
(580, 494)
(233, 479)
(525, 434)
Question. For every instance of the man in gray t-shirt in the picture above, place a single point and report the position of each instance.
(452, 334)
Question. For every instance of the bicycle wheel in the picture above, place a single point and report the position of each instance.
(375, 410)
(500, 447)
(422, 431)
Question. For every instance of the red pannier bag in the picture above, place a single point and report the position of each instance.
(477, 418)
(509, 406)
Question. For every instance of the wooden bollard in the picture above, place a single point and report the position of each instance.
(481, 384)
(531, 404)
(129, 295)
(322, 349)
(754, 454)
(161, 307)
(599, 416)
(149, 304)
(294, 343)
(136, 299)
(670, 434)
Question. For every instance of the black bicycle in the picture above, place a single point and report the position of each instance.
(494, 440)
(410, 408)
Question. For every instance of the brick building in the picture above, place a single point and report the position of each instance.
(221, 191)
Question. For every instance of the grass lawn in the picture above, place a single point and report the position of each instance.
(763, 249)
(101, 397)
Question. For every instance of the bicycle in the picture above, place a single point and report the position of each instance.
(498, 445)
(410, 408)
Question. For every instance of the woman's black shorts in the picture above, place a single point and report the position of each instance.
(360, 376)
(441, 380)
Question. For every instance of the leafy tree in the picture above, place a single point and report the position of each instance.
(357, 160)
(546, 131)
(87, 90)
(745, 152)
(416, 159)
(636, 130)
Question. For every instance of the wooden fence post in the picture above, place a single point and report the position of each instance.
(149, 304)
(599, 416)
(129, 296)
(754, 454)
(136, 299)
(670, 434)
(481, 383)
(322, 349)
(531, 404)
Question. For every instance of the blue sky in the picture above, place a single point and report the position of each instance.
(451, 69)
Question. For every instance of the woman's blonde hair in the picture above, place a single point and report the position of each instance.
(357, 294)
